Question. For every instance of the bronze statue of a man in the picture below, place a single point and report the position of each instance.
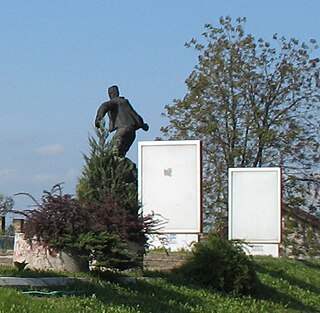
(122, 118)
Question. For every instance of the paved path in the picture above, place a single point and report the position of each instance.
(43, 282)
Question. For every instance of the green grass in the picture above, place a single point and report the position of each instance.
(286, 286)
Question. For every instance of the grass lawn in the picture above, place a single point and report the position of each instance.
(286, 286)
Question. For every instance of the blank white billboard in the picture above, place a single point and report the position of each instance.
(170, 183)
(255, 204)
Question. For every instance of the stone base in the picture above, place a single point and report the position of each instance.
(162, 261)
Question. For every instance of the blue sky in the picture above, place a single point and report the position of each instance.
(58, 57)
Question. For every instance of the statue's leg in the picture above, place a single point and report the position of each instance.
(123, 139)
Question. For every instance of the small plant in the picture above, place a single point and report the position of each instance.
(220, 264)
(20, 266)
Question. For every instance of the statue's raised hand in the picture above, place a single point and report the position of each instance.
(145, 127)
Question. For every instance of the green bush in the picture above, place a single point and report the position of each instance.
(100, 233)
(108, 249)
(220, 264)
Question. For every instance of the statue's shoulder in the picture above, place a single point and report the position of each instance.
(123, 100)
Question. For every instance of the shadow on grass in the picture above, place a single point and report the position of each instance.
(172, 294)
(169, 292)
(290, 279)
(265, 292)
(146, 296)
(310, 264)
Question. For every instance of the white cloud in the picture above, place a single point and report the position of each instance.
(41, 178)
(72, 174)
(53, 149)
(9, 174)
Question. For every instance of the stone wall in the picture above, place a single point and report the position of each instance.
(41, 258)
(163, 260)
(6, 257)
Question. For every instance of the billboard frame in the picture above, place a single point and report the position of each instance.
(270, 219)
(195, 228)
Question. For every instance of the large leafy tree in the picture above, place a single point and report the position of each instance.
(253, 104)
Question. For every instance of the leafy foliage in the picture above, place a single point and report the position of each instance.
(301, 233)
(108, 187)
(64, 223)
(112, 215)
(104, 220)
(253, 104)
(57, 220)
(107, 175)
(220, 264)
(6, 204)
(108, 249)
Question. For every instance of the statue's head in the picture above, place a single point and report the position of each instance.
(113, 91)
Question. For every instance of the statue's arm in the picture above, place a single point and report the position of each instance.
(145, 126)
(140, 121)
(102, 111)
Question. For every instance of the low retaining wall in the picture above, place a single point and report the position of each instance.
(41, 258)
(6, 257)
(163, 261)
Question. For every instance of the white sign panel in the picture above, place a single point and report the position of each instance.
(255, 204)
(172, 242)
(170, 183)
(269, 249)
